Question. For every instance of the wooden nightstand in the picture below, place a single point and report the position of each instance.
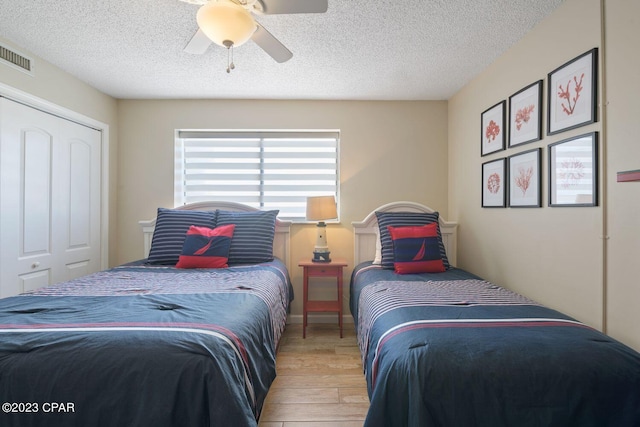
(321, 269)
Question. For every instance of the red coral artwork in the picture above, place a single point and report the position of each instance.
(523, 179)
(571, 172)
(492, 131)
(523, 115)
(572, 100)
(493, 183)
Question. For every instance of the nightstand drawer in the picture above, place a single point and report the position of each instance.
(324, 271)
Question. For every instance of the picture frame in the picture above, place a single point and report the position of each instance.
(493, 184)
(525, 172)
(572, 93)
(573, 171)
(492, 133)
(525, 115)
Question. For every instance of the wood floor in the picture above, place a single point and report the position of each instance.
(319, 380)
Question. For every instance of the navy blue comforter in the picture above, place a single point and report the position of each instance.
(143, 346)
(450, 349)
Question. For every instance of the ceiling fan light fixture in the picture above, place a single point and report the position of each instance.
(225, 22)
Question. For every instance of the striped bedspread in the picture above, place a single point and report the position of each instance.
(451, 349)
(145, 346)
(384, 296)
(258, 280)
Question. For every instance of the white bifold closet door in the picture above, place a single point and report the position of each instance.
(49, 199)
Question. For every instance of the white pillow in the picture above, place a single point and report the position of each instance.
(378, 258)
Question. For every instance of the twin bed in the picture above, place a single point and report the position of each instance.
(450, 349)
(151, 344)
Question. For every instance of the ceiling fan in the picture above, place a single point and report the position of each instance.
(230, 23)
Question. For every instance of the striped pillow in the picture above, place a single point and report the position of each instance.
(171, 230)
(253, 236)
(402, 219)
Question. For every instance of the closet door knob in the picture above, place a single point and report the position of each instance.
(35, 265)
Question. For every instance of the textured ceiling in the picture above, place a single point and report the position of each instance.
(361, 50)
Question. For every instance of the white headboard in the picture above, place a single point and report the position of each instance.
(281, 241)
(365, 236)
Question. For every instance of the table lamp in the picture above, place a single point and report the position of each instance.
(321, 208)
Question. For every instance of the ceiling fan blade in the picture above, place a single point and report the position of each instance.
(198, 44)
(294, 6)
(271, 45)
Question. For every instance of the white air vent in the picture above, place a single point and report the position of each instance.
(16, 60)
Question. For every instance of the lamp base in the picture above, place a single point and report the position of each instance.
(321, 257)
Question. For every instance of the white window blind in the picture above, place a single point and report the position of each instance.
(264, 169)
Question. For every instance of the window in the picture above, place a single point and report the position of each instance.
(264, 169)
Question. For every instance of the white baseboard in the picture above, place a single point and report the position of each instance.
(319, 318)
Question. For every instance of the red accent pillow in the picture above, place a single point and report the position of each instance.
(206, 247)
(416, 249)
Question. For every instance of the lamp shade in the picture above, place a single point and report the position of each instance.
(224, 21)
(320, 208)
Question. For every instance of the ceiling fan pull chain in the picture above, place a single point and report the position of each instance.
(230, 64)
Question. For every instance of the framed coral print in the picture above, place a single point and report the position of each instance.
(492, 132)
(493, 184)
(524, 179)
(525, 115)
(573, 171)
(572, 91)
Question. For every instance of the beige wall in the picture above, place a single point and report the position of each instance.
(388, 151)
(622, 33)
(51, 84)
(556, 255)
